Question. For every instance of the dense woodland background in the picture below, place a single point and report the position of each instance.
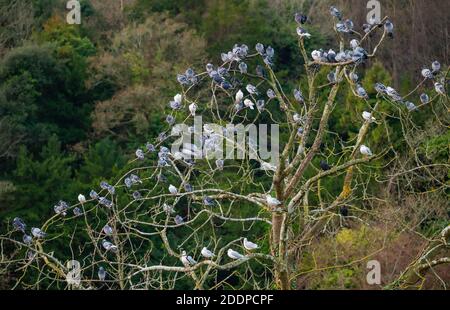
(76, 101)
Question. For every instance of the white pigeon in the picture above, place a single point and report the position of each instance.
(365, 150)
(250, 245)
(249, 104)
(187, 260)
(234, 255)
(316, 55)
(81, 198)
(297, 118)
(268, 166)
(192, 108)
(251, 89)
(36, 232)
(178, 98)
(207, 253)
(354, 43)
(239, 96)
(272, 202)
(426, 73)
(172, 189)
(368, 117)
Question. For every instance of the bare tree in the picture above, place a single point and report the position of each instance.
(145, 232)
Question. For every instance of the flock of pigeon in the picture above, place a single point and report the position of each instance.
(221, 77)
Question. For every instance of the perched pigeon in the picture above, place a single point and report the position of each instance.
(251, 89)
(178, 98)
(208, 201)
(19, 224)
(108, 246)
(424, 98)
(187, 260)
(27, 239)
(239, 96)
(260, 48)
(81, 198)
(365, 150)
(207, 253)
(178, 220)
(260, 104)
(354, 43)
(439, 88)
(243, 67)
(272, 202)
(93, 194)
(361, 92)
(367, 116)
(101, 274)
(389, 28)
(380, 88)
(302, 33)
(436, 66)
(324, 166)
(234, 255)
(426, 73)
(267, 166)
(250, 245)
(297, 118)
(188, 187)
(77, 211)
(300, 18)
(140, 154)
(260, 71)
(249, 104)
(168, 209)
(37, 233)
(331, 77)
(271, 94)
(298, 96)
(150, 147)
(107, 230)
(172, 189)
(192, 108)
(335, 12)
(391, 92)
(410, 106)
(354, 77)
(219, 164)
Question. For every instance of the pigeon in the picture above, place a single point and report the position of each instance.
(207, 253)
(27, 239)
(439, 88)
(410, 106)
(324, 166)
(251, 89)
(178, 98)
(271, 94)
(172, 189)
(170, 120)
(426, 73)
(249, 104)
(354, 43)
(302, 33)
(380, 88)
(436, 66)
(174, 105)
(37, 233)
(168, 209)
(260, 104)
(335, 12)
(389, 28)
(60, 210)
(297, 118)
(234, 255)
(391, 92)
(93, 194)
(250, 245)
(108, 246)
(331, 77)
(150, 147)
(107, 203)
(137, 195)
(272, 202)
(192, 108)
(208, 201)
(187, 260)
(140, 154)
(219, 164)
(101, 274)
(365, 150)
(260, 71)
(270, 52)
(316, 55)
(354, 77)
(81, 198)
(298, 96)
(300, 18)
(77, 211)
(188, 187)
(424, 98)
(239, 96)
(243, 67)
(259, 48)
(19, 224)
(107, 230)
(361, 92)
(367, 116)
(178, 220)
